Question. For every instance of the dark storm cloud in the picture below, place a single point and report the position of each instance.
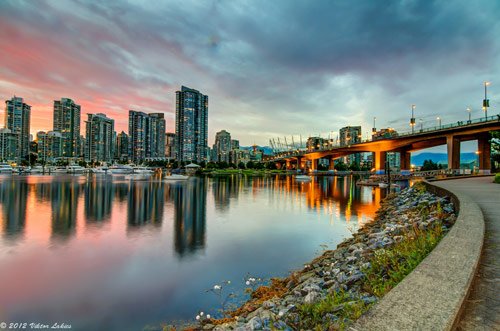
(269, 67)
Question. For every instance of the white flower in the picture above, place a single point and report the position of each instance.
(208, 316)
(197, 317)
(281, 313)
(201, 313)
(229, 282)
(217, 287)
(247, 282)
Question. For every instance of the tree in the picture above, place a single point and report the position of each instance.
(270, 165)
(322, 167)
(429, 165)
(354, 167)
(241, 165)
(340, 166)
(250, 165)
(32, 157)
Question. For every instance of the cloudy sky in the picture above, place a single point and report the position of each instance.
(270, 68)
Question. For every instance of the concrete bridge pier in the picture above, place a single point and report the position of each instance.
(379, 160)
(299, 163)
(405, 157)
(314, 164)
(484, 149)
(331, 163)
(453, 145)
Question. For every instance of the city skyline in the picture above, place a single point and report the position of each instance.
(268, 75)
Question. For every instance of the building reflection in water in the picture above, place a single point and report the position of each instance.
(64, 201)
(99, 194)
(224, 189)
(13, 198)
(145, 203)
(327, 195)
(190, 210)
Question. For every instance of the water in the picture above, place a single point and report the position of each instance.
(118, 254)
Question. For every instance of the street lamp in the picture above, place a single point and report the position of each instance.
(486, 102)
(439, 121)
(374, 129)
(468, 110)
(421, 125)
(412, 120)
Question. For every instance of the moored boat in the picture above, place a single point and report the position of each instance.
(302, 178)
(176, 177)
(5, 168)
(121, 169)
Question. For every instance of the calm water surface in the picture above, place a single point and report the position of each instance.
(119, 254)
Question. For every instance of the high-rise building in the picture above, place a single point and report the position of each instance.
(222, 146)
(170, 145)
(146, 136)
(155, 146)
(50, 145)
(235, 144)
(121, 152)
(67, 121)
(17, 120)
(191, 125)
(8, 145)
(137, 126)
(99, 138)
(315, 143)
(351, 135)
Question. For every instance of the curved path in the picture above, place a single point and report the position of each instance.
(482, 307)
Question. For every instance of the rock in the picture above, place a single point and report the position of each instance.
(308, 288)
(256, 312)
(306, 276)
(280, 325)
(268, 304)
(312, 297)
(255, 323)
(354, 278)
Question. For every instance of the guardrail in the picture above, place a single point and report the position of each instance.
(329, 146)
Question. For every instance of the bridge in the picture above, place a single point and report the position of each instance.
(450, 135)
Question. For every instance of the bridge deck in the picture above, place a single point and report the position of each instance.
(482, 308)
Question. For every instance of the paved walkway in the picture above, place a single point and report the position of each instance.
(482, 308)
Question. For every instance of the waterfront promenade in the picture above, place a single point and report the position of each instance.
(482, 307)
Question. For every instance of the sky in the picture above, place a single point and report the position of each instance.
(270, 68)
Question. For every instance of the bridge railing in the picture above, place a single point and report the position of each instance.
(329, 146)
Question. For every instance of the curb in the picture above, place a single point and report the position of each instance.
(431, 297)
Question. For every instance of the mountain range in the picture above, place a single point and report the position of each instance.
(419, 159)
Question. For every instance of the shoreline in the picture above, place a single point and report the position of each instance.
(341, 270)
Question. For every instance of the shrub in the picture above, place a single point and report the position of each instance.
(497, 178)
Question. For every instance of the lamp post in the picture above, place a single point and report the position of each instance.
(412, 120)
(439, 121)
(468, 110)
(421, 125)
(486, 102)
(374, 129)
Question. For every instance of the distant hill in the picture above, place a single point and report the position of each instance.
(419, 159)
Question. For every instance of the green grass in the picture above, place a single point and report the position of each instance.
(340, 304)
(388, 266)
(497, 178)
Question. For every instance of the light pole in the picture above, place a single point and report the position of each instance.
(468, 110)
(374, 129)
(486, 102)
(439, 121)
(412, 120)
(421, 125)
